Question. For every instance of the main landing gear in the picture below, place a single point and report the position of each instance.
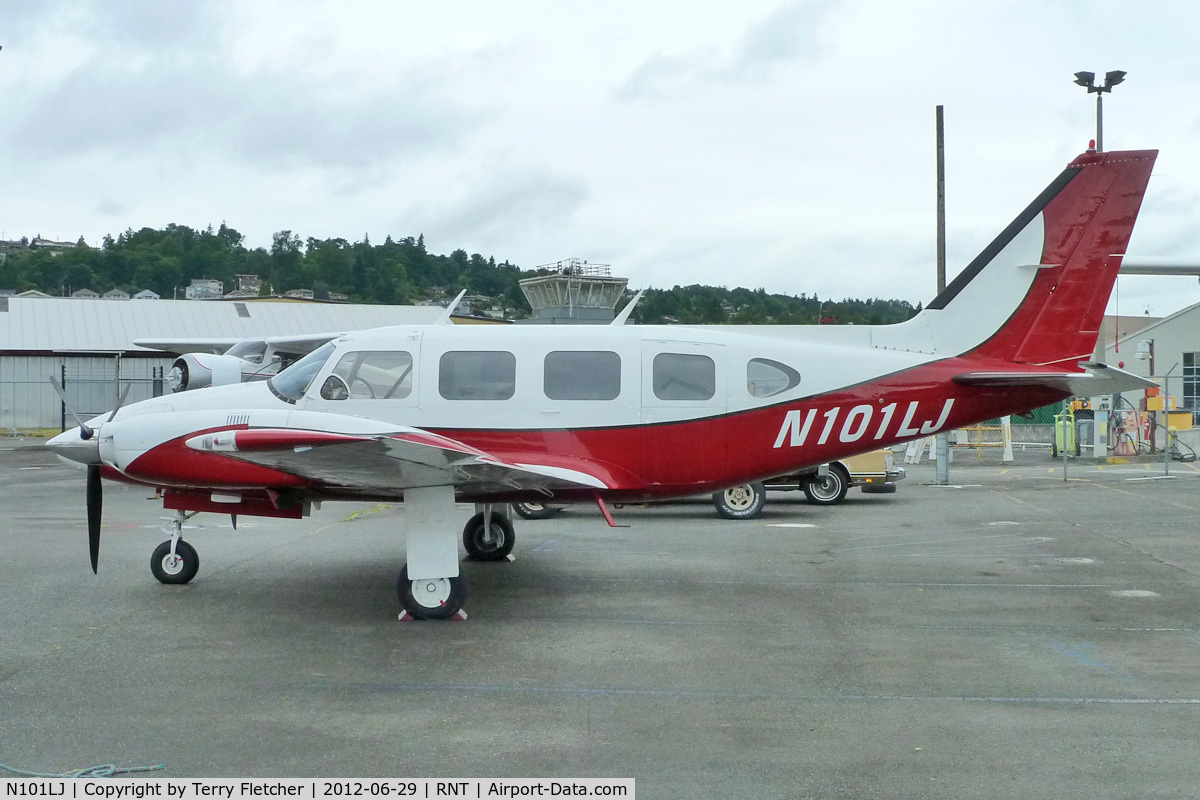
(175, 561)
(488, 542)
(430, 586)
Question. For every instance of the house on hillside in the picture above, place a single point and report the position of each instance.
(204, 289)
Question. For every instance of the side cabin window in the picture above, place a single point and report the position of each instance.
(370, 375)
(765, 377)
(477, 375)
(678, 376)
(582, 375)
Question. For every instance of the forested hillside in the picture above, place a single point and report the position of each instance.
(394, 271)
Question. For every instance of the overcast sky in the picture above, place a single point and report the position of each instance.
(784, 145)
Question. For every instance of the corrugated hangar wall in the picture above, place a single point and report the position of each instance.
(27, 400)
(88, 344)
(1176, 340)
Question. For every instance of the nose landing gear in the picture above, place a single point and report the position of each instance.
(175, 561)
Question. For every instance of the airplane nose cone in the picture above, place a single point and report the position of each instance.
(71, 446)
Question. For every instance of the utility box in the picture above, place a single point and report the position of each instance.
(1180, 420)
(1156, 403)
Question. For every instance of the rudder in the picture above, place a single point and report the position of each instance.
(1088, 222)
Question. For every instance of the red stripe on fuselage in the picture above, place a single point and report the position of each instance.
(671, 459)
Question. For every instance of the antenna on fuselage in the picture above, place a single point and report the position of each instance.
(444, 319)
(628, 309)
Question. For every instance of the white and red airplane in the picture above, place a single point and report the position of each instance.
(436, 414)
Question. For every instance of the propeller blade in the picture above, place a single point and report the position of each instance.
(85, 432)
(95, 501)
(120, 401)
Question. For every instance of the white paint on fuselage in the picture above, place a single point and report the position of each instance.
(140, 426)
(822, 369)
(828, 358)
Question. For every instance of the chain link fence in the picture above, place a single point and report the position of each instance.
(1128, 434)
(92, 384)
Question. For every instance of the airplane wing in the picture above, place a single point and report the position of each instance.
(292, 345)
(183, 346)
(300, 345)
(1098, 379)
(408, 458)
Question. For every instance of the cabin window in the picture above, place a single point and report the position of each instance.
(477, 375)
(684, 377)
(765, 377)
(582, 375)
(370, 375)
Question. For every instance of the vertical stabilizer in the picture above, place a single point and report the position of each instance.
(1036, 294)
(1087, 226)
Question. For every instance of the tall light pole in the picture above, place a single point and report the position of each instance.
(1088, 81)
(942, 440)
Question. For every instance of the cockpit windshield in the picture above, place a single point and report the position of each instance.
(292, 383)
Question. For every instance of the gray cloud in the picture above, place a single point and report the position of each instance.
(160, 81)
(790, 34)
(109, 207)
(502, 207)
(155, 25)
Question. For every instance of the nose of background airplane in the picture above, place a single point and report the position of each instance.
(71, 446)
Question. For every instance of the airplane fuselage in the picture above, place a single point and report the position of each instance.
(649, 411)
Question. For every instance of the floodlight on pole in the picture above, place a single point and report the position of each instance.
(1088, 81)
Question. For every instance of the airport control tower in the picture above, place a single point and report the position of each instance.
(576, 292)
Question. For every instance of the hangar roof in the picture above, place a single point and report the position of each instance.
(75, 325)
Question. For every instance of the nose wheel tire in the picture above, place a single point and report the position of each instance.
(740, 502)
(179, 568)
(488, 543)
(829, 490)
(431, 598)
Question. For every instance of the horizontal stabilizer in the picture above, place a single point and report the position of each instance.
(1097, 380)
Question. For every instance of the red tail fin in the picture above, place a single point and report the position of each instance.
(1088, 215)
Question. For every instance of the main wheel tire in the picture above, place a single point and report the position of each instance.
(489, 545)
(535, 510)
(829, 490)
(740, 502)
(180, 569)
(431, 598)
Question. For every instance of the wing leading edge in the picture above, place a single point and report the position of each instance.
(406, 459)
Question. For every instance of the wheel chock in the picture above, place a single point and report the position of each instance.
(459, 616)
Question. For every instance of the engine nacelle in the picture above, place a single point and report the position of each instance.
(197, 370)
